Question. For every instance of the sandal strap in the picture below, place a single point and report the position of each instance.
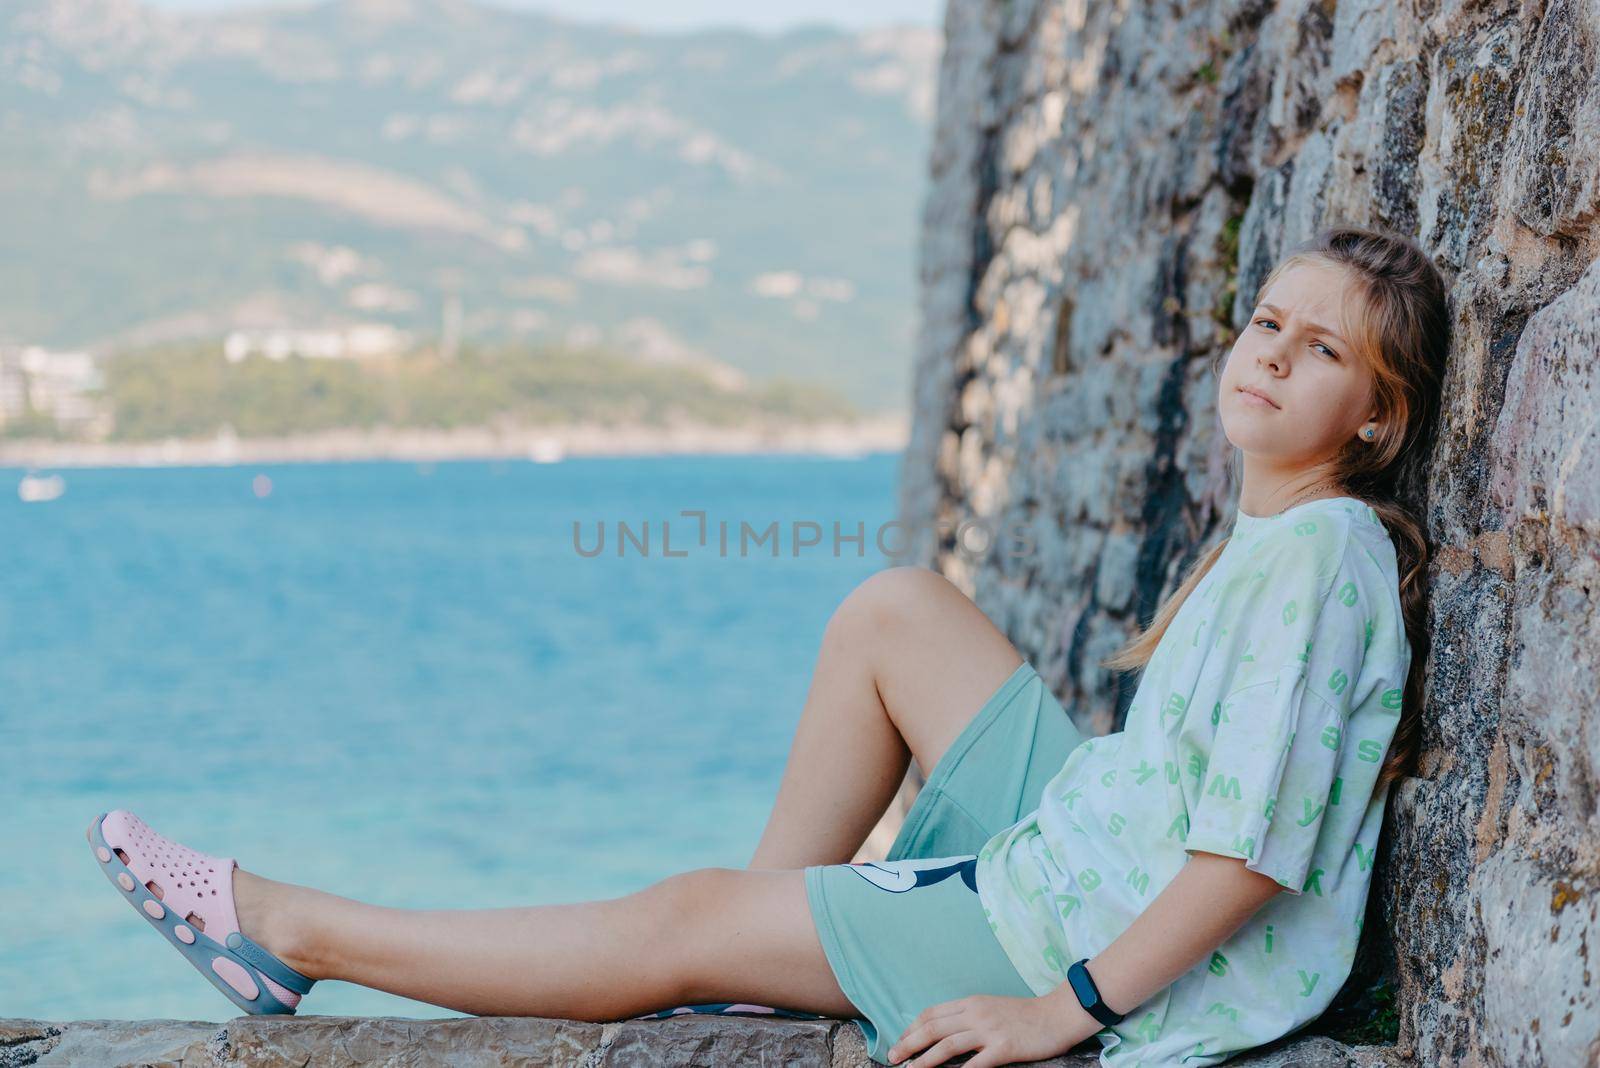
(270, 966)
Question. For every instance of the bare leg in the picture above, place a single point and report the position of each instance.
(906, 662)
(709, 935)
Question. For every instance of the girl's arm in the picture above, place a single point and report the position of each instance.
(1211, 897)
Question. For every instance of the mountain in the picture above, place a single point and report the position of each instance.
(746, 198)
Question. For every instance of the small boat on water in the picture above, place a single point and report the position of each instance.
(34, 488)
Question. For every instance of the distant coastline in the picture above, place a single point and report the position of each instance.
(878, 433)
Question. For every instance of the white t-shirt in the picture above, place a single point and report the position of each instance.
(1257, 731)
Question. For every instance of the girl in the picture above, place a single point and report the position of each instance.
(1183, 889)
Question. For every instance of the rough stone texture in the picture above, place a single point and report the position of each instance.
(500, 1041)
(1109, 184)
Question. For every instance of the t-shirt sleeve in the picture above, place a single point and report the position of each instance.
(1278, 728)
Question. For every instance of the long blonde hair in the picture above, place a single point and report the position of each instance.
(1401, 325)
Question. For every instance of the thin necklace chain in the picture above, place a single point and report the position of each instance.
(1307, 492)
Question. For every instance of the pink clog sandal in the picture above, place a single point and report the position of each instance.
(196, 912)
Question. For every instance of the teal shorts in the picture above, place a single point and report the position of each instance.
(908, 932)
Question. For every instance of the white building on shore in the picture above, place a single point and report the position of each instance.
(360, 342)
(64, 386)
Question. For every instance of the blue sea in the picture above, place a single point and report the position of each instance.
(398, 682)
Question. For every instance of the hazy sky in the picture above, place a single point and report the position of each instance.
(685, 14)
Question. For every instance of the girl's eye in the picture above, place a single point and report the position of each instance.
(1320, 345)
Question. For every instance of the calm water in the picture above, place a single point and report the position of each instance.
(396, 682)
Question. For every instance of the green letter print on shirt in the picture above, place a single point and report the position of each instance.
(1053, 960)
(1225, 786)
(1313, 810)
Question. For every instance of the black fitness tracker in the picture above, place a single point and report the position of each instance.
(1089, 994)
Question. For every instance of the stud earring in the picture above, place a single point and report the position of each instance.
(1369, 433)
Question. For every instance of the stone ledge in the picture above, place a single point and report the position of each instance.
(484, 1041)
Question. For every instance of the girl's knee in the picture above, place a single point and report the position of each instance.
(691, 903)
(895, 595)
(674, 898)
(727, 930)
(682, 917)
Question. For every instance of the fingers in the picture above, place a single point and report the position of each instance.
(922, 1029)
(985, 1058)
(947, 1047)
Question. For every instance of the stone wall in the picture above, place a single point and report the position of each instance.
(506, 1041)
(1110, 181)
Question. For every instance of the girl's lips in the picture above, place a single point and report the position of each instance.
(1255, 398)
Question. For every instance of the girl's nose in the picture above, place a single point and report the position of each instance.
(1275, 356)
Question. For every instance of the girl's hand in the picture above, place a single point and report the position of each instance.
(1004, 1030)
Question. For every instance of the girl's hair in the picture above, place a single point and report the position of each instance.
(1400, 325)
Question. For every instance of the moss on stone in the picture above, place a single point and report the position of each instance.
(1228, 255)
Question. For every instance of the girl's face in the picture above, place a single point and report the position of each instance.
(1293, 351)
